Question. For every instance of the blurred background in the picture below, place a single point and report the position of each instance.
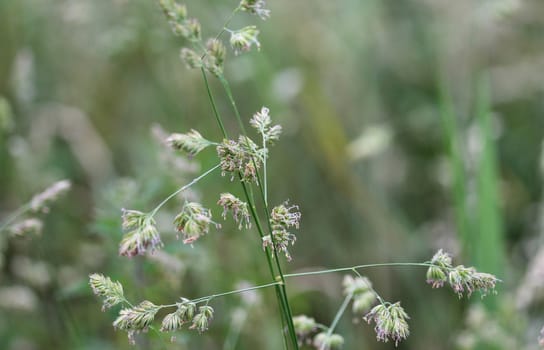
(409, 126)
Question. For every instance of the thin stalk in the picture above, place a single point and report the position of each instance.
(235, 328)
(280, 290)
(227, 22)
(351, 268)
(237, 291)
(214, 106)
(207, 298)
(290, 324)
(232, 101)
(337, 317)
(223, 29)
(301, 274)
(277, 260)
(265, 182)
(194, 181)
(369, 286)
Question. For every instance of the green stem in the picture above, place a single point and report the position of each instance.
(287, 307)
(210, 297)
(194, 181)
(214, 105)
(224, 29)
(369, 286)
(280, 283)
(281, 292)
(227, 22)
(341, 269)
(227, 89)
(265, 183)
(230, 292)
(337, 317)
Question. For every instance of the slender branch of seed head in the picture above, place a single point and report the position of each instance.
(181, 189)
(337, 317)
(369, 286)
(322, 326)
(209, 298)
(280, 283)
(351, 268)
(265, 184)
(320, 272)
(16, 214)
(227, 22)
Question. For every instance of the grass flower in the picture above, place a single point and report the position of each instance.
(173, 11)
(181, 25)
(171, 322)
(242, 157)
(460, 278)
(442, 259)
(191, 59)
(361, 290)
(436, 276)
(111, 292)
(184, 313)
(202, 320)
(468, 280)
(142, 234)
(326, 341)
(41, 201)
(256, 7)
(28, 226)
(261, 122)
(186, 310)
(304, 325)
(357, 285)
(239, 209)
(363, 302)
(136, 319)
(242, 40)
(191, 30)
(215, 56)
(193, 221)
(282, 219)
(191, 142)
(390, 320)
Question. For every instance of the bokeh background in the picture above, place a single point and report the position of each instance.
(409, 125)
